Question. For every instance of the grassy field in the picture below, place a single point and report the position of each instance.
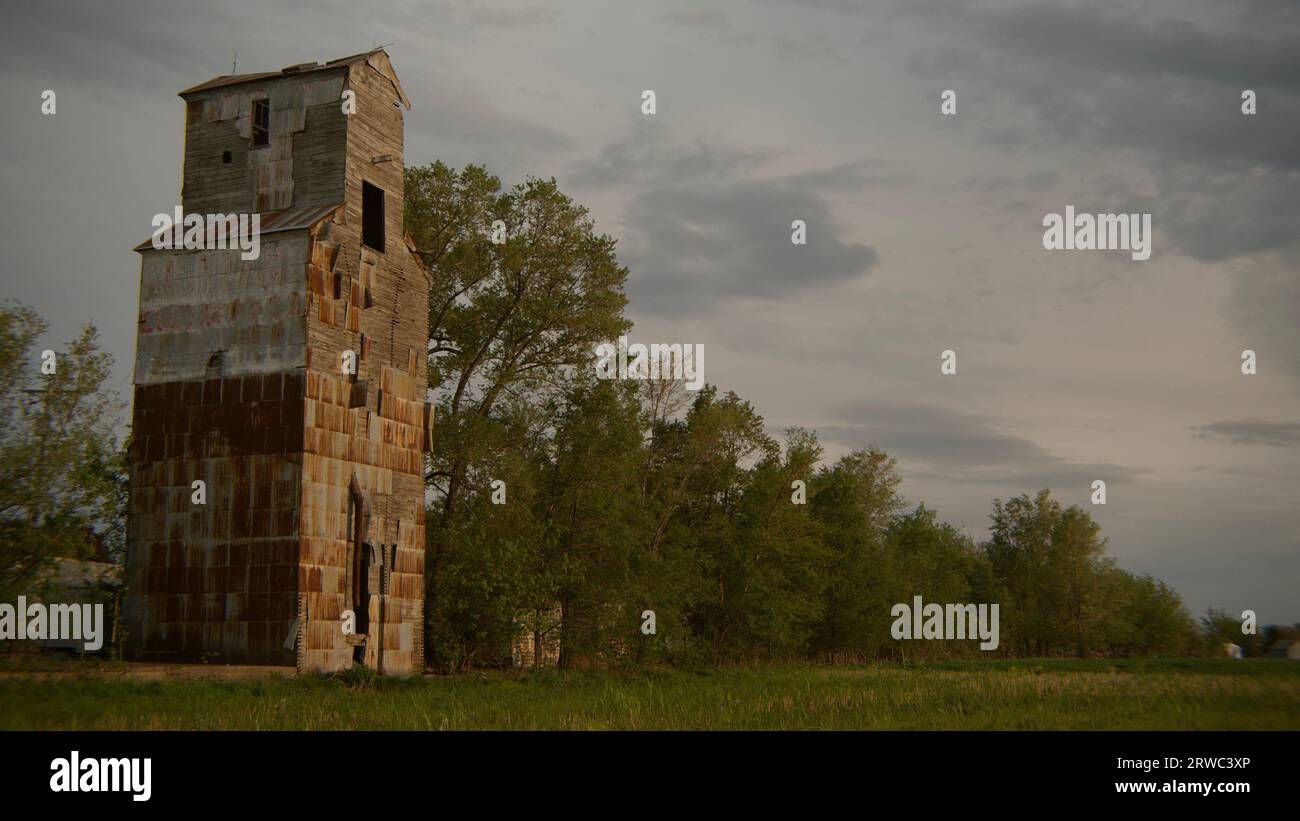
(1032, 694)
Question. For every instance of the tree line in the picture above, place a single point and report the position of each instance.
(565, 506)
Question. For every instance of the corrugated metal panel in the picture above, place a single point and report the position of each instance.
(288, 219)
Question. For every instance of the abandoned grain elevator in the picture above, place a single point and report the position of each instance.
(313, 474)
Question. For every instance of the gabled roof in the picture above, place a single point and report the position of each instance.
(377, 59)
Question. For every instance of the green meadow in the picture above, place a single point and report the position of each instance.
(1032, 694)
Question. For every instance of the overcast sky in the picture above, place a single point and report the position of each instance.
(924, 230)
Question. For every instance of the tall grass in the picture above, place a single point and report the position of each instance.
(1027, 694)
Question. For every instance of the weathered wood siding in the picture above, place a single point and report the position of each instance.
(261, 572)
(307, 146)
(372, 427)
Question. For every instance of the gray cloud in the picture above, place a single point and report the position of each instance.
(852, 6)
(694, 18)
(1250, 432)
(1036, 181)
(853, 176)
(1164, 88)
(478, 15)
(1264, 306)
(1222, 215)
(708, 22)
(647, 154)
(1206, 555)
(706, 224)
(694, 246)
(938, 443)
(470, 128)
(808, 45)
(1125, 44)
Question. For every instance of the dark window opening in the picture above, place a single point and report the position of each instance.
(359, 557)
(226, 157)
(372, 217)
(361, 585)
(261, 122)
(216, 365)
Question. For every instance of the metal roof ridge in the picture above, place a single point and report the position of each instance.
(223, 80)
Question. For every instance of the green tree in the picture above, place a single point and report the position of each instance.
(1018, 555)
(770, 564)
(1048, 565)
(62, 473)
(934, 560)
(511, 316)
(1144, 616)
(699, 492)
(855, 502)
(593, 524)
(510, 321)
(488, 577)
(1219, 628)
(1077, 567)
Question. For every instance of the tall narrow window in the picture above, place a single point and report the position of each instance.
(359, 555)
(261, 122)
(372, 216)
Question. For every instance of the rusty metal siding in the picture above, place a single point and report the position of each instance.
(373, 426)
(194, 304)
(218, 398)
(238, 384)
(381, 444)
(215, 581)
